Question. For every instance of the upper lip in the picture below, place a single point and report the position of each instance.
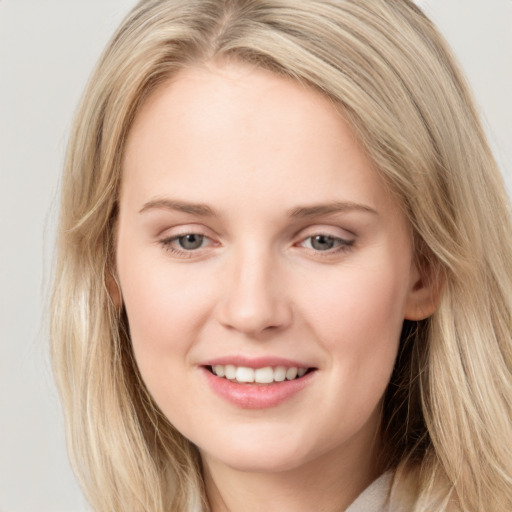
(255, 362)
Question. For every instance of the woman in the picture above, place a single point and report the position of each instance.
(284, 267)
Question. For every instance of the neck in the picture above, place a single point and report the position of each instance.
(328, 484)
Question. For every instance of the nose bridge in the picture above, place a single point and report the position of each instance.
(254, 301)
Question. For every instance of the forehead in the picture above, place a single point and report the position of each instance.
(248, 130)
(226, 95)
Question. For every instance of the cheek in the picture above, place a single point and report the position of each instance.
(163, 321)
(157, 304)
(167, 307)
(358, 319)
(359, 300)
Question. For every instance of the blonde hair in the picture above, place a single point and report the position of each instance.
(447, 419)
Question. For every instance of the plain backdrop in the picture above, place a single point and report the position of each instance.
(47, 50)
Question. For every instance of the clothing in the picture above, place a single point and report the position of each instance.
(375, 497)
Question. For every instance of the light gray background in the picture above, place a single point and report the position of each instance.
(47, 49)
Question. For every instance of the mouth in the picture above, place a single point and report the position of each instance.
(257, 383)
(265, 375)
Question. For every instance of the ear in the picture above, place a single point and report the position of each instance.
(113, 289)
(427, 284)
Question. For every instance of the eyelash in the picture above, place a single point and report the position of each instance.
(167, 244)
(342, 245)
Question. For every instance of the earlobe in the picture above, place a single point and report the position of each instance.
(427, 285)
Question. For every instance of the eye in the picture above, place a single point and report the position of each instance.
(324, 243)
(186, 244)
(190, 241)
(321, 242)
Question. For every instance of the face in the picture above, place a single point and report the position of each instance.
(265, 269)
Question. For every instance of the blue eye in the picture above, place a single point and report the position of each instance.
(324, 243)
(186, 244)
(190, 241)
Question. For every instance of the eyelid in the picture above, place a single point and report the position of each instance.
(172, 234)
(344, 239)
(173, 238)
(327, 230)
(179, 229)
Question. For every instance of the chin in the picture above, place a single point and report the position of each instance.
(252, 462)
(262, 454)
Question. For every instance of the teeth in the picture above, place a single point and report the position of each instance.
(291, 373)
(229, 372)
(265, 375)
(244, 374)
(219, 370)
(280, 374)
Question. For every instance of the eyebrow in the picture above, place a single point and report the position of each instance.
(204, 210)
(200, 209)
(326, 209)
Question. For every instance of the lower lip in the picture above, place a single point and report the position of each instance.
(256, 396)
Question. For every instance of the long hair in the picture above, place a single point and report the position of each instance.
(447, 417)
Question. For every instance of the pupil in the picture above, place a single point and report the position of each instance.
(322, 242)
(191, 241)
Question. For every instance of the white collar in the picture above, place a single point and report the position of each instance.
(375, 497)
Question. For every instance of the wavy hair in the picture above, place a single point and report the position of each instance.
(447, 417)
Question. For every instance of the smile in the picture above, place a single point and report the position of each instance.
(265, 375)
(257, 385)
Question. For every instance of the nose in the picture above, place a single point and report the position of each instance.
(254, 296)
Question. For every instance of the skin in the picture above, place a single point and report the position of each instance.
(256, 150)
